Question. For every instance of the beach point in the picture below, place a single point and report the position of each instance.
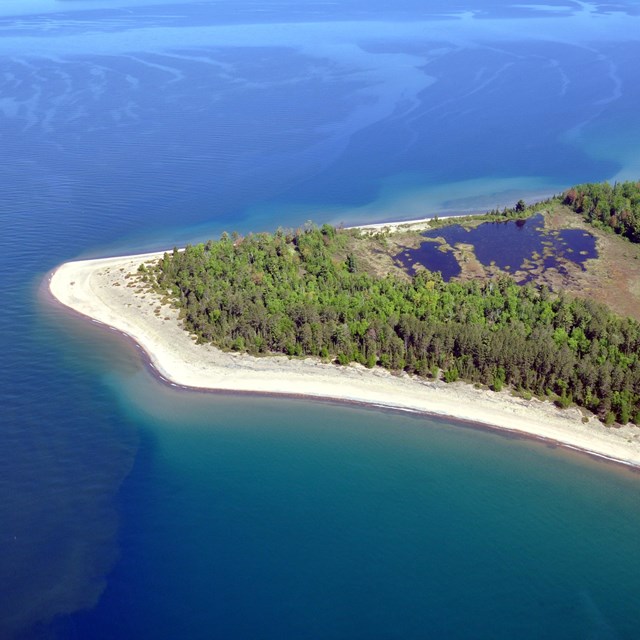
(105, 291)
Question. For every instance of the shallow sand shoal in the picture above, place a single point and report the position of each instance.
(107, 290)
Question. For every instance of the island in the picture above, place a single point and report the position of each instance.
(336, 314)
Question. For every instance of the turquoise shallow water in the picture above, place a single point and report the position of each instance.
(131, 510)
(268, 518)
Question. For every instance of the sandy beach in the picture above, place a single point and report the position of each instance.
(419, 224)
(107, 290)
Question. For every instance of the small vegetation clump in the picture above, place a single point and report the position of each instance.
(306, 293)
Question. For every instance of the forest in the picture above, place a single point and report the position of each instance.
(614, 206)
(305, 293)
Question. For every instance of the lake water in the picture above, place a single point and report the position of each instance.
(131, 510)
(522, 246)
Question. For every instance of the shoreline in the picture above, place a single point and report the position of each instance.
(106, 291)
(418, 224)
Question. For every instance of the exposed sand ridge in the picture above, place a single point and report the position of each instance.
(107, 290)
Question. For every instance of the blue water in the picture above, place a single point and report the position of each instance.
(429, 255)
(514, 245)
(130, 510)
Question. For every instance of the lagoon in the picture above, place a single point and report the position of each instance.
(520, 247)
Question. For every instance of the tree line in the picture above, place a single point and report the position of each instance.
(303, 293)
(614, 206)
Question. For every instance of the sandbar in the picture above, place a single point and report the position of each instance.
(106, 291)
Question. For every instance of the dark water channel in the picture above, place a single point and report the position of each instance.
(524, 247)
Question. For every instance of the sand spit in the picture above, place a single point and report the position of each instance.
(107, 290)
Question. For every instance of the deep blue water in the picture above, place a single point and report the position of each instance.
(514, 245)
(130, 510)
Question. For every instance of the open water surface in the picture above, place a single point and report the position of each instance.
(514, 245)
(132, 510)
